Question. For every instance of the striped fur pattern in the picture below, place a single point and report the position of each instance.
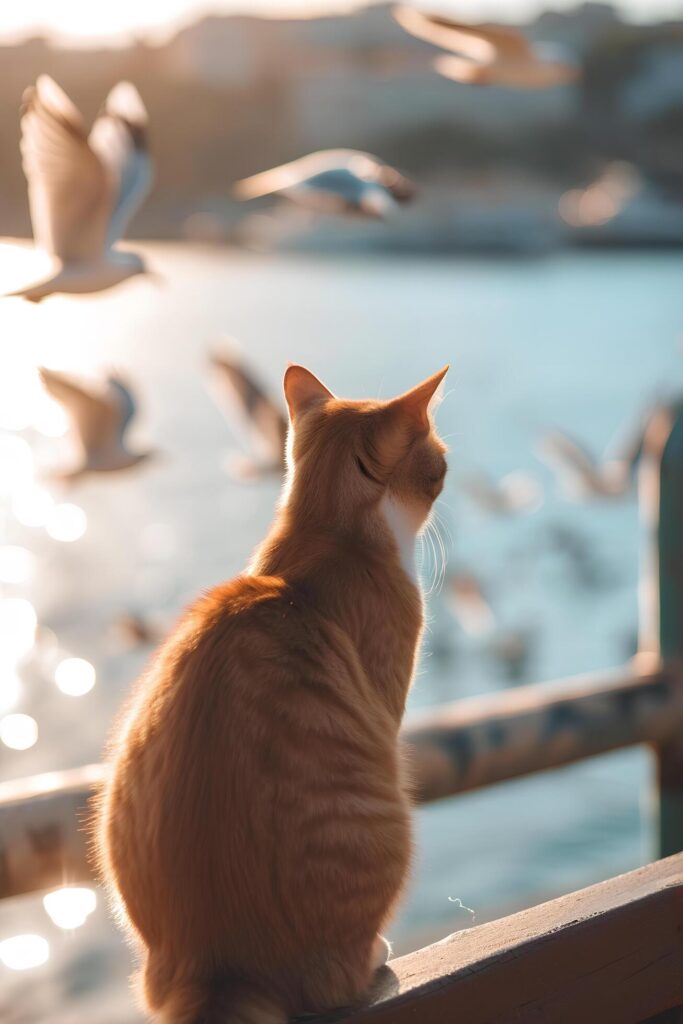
(256, 826)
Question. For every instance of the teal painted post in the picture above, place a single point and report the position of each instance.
(670, 572)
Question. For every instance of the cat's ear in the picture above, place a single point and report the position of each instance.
(303, 390)
(404, 419)
(413, 407)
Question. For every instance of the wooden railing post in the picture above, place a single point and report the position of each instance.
(662, 593)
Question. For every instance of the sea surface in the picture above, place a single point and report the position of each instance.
(582, 342)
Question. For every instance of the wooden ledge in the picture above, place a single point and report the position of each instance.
(609, 954)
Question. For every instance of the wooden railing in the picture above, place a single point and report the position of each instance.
(613, 952)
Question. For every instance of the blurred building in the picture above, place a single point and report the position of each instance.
(229, 96)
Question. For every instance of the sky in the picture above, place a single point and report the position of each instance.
(95, 21)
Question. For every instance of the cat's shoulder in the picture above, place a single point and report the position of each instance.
(245, 595)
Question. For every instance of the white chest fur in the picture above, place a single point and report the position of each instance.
(402, 528)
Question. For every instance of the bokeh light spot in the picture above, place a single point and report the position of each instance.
(75, 676)
(70, 906)
(16, 460)
(18, 732)
(16, 564)
(22, 952)
(66, 522)
(31, 505)
(17, 627)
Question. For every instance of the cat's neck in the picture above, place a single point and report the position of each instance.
(364, 580)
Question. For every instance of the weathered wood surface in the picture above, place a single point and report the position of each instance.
(454, 748)
(612, 953)
(483, 740)
(42, 835)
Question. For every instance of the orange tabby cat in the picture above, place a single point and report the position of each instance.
(256, 824)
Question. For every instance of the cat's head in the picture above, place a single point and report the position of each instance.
(345, 456)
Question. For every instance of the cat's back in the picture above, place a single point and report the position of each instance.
(255, 691)
(255, 728)
(255, 644)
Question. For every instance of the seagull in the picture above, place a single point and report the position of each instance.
(485, 54)
(338, 181)
(136, 630)
(99, 423)
(469, 605)
(512, 649)
(515, 493)
(580, 474)
(252, 413)
(83, 189)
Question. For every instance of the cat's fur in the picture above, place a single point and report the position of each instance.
(256, 824)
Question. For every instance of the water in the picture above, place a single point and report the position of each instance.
(580, 341)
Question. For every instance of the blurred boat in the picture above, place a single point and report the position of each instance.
(83, 189)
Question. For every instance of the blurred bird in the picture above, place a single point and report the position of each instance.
(580, 475)
(467, 602)
(604, 198)
(586, 567)
(339, 181)
(515, 493)
(512, 650)
(83, 189)
(135, 630)
(99, 423)
(486, 54)
(252, 413)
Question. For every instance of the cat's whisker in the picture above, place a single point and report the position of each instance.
(435, 524)
(433, 562)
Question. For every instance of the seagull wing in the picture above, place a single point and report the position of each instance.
(483, 43)
(69, 191)
(461, 69)
(571, 460)
(122, 400)
(247, 405)
(119, 138)
(95, 419)
(324, 161)
(277, 179)
(508, 42)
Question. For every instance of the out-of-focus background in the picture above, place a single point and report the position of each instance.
(542, 257)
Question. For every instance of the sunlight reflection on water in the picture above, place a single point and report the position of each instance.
(22, 952)
(18, 732)
(75, 676)
(17, 627)
(70, 906)
(66, 522)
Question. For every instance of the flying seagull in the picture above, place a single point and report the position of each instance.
(469, 605)
(99, 424)
(253, 414)
(83, 189)
(134, 629)
(338, 181)
(485, 54)
(580, 474)
(515, 493)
